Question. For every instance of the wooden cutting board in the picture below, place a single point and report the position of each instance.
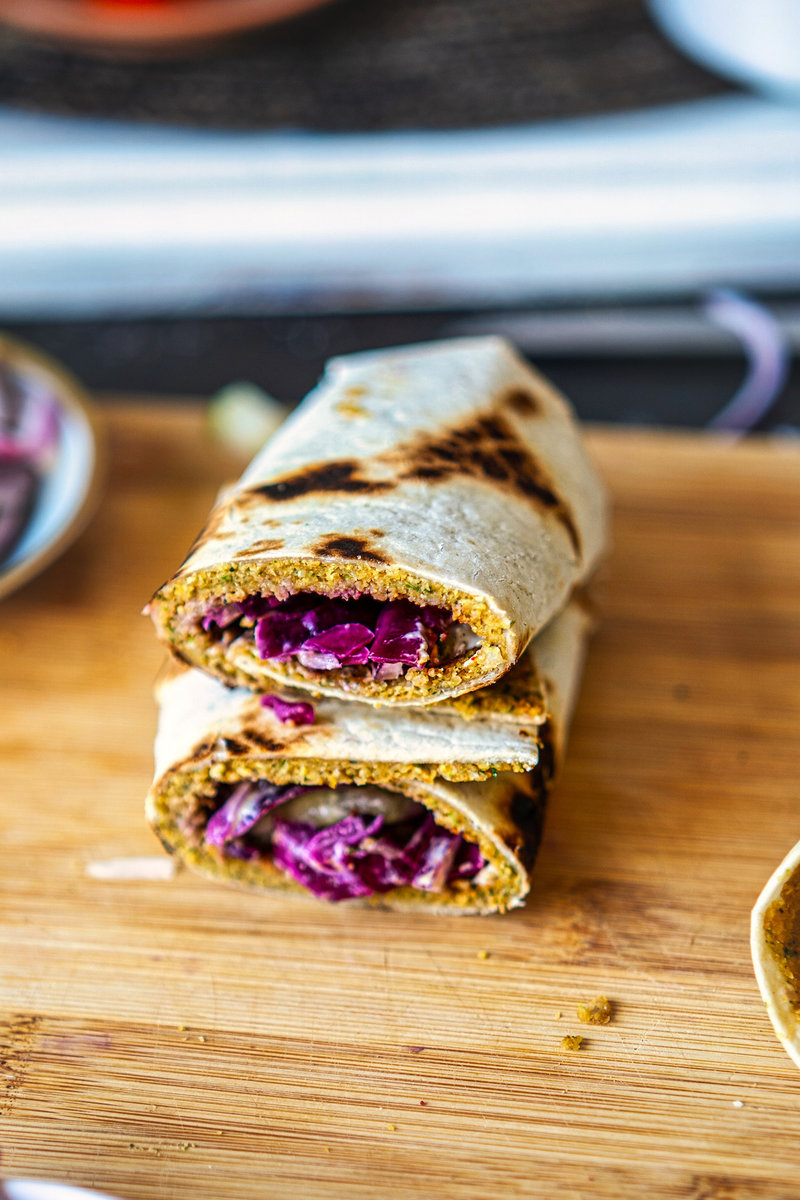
(175, 1038)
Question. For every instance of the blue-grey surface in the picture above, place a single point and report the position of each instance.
(99, 218)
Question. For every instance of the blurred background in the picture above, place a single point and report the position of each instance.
(198, 192)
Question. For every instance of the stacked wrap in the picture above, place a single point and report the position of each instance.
(450, 475)
(399, 542)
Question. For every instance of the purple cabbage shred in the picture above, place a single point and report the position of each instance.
(292, 712)
(355, 856)
(325, 634)
(222, 617)
(246, 805)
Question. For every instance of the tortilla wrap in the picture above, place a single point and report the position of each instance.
(775, 947)
(448, 478)
(482, 770)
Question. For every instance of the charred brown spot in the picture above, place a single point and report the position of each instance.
(339, 546)
(376, 533)
(547, 753)
(492, 467)
(494, 427)
(339, 475)
(449, 453)
(250, 741)
(527, 813)
(431, 474)
(202, 750)
(487, 448)
(262, 547)
(257, 741)
(522, 402)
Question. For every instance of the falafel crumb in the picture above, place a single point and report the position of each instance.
(596, 1013)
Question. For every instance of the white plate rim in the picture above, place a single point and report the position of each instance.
(77, 407)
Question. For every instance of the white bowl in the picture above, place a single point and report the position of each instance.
(777, 992)
(68, 489)
(756, 42)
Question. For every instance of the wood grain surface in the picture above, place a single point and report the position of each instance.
(176, 1038)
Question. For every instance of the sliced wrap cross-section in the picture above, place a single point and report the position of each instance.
(423, 514)
(437, 808)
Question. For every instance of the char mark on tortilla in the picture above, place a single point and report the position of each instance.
(526, 812)
(246, 742)
(261, 547)
(524, 403)
(339, 475)
(487, 448)
(254, 741)
(339, 546)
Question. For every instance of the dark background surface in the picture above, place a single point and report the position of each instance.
(380, 64)
(285, 356)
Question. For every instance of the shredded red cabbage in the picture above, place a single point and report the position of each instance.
(355, 856)
(403, 634)
(340, 646)
(293, 712)
(293, 851)
(326, 633)
(469, 861)
(222, 617)
(347, 859)
(246, 805)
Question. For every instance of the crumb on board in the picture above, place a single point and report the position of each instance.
(738, 1103)
(484, 954)
(391, 1128)
(573, 1041)
(182, 1029)
(558, 1014)
(201, 1038)
(596, 1013)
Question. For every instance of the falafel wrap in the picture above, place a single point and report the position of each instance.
(401, 538)
(438, 808)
